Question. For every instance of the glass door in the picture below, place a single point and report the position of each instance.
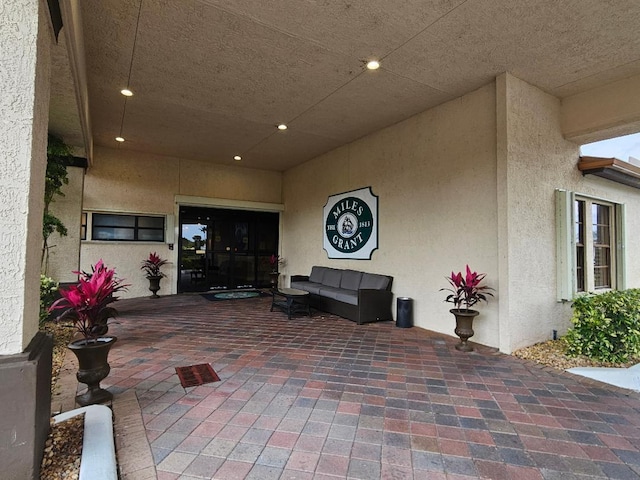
(193, 256)
(225, 249)
(233, 251)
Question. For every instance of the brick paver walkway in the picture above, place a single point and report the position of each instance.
(324, 398)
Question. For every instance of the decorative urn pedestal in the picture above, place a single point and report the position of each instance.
(154, 285)
(273, 278)
(93, 368)
(464, 327)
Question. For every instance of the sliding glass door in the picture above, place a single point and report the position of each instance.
(225, 249)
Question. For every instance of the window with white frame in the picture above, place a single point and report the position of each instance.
(590, 244)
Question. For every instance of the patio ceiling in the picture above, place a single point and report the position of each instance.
(213, 78)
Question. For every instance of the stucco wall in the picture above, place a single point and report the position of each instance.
(132, 182)
(25, 37)
(435, 175)
(540, 160)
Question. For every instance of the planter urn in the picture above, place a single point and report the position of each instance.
(93, 368)
(273, 278)
(154, 285)
(464, 327)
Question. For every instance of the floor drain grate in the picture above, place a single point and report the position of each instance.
(195, 375)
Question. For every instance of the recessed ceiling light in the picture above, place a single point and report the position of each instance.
(126, 92)
(373, 65)
(119, 139)
(237, 157)
(282, 126)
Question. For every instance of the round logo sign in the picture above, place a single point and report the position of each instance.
(349, 224)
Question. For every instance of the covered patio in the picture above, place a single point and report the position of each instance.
(324, 398)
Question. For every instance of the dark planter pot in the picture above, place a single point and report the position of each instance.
(464, 327)
(273, 278)
(93, 368)
(154, 285)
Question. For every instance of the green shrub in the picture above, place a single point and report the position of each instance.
(606, 326)
(48, 293)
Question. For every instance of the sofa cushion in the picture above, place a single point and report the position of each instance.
(316, 274)
(373, 281)
(340, 294)
(310, 287)
(332, 277)
(350, 279)
(347, 296)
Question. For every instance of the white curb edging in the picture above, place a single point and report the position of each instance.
(98, 461)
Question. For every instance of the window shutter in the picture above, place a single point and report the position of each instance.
(565, 245)
(621, 240)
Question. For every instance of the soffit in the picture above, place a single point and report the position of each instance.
(64, 120)
(212, 78)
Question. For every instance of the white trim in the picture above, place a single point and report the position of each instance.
(589, 243)
(566, 245)
(188, 200)
(169, 229)
(125, 212)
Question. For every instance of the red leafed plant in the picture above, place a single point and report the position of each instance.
(467, 290)
(86, 303)
(275, 261)
(152, 264)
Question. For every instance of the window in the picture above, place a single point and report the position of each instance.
(594, 242)
(590, 244)
(132, 228)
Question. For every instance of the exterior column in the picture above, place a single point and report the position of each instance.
(25, 355)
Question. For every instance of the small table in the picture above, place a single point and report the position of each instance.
(290, 300)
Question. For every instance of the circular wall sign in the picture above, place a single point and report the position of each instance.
(349, 225)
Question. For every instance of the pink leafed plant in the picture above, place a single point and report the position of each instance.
(86, 303)
(152, 264)
(466, 289)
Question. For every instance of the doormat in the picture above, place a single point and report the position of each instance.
(195, 375)
(214, 297)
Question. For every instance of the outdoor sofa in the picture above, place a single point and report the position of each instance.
(358, 296)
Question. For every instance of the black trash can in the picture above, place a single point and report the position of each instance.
(404, 312)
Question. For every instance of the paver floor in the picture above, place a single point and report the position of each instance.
(324, 398)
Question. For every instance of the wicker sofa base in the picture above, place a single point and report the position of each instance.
(373, 304)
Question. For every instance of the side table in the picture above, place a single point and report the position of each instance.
(290, 301)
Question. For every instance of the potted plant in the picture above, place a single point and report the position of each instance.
(151, 267)
(466, 291)
(275, 261)
(86, 304)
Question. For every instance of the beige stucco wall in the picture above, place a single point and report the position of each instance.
(539, 160)
(435, 175)
(534, 160)
(131, 182)
(471, 181)
(64, 252)
(25, 36)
